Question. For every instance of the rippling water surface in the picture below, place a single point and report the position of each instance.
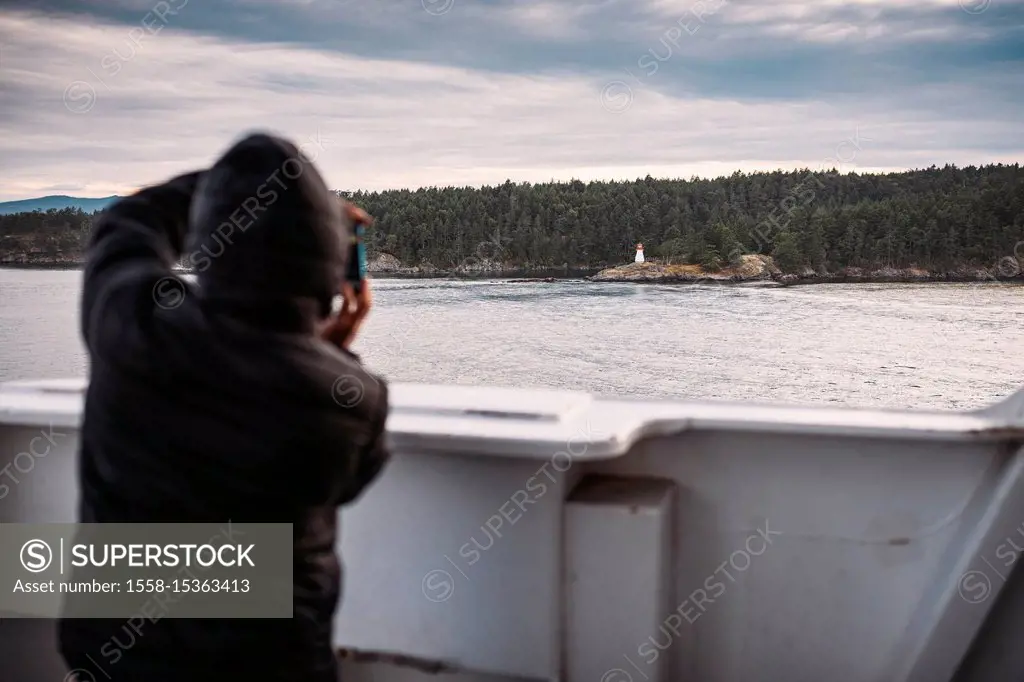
(945, 346)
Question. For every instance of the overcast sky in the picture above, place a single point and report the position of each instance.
(99, 97)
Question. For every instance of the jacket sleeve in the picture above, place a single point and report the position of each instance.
(370, 462)
(128, 274)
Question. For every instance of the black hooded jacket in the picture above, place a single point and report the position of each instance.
(216, 402)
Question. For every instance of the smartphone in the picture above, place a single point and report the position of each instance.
(356, 271)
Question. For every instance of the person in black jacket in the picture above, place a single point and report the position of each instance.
(234, 398)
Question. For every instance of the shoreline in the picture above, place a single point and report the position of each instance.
(938, 278)
(795, 281)
(590, 276)
(509, 274)
(758, 269)
(42, 266)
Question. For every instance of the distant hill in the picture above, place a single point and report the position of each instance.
(56, 201)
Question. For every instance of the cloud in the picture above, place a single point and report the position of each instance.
(532, 90)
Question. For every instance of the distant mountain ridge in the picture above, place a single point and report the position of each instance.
(57, 201)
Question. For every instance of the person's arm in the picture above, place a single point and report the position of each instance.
(359, 472)
(132, 250)
(372, 459)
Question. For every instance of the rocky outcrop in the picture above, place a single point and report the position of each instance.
(751, 268)
(760, 268)
(384, 263)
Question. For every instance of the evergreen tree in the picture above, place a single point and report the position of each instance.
(787, 253)
(935, 218)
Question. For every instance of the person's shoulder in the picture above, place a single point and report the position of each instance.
(344, 382)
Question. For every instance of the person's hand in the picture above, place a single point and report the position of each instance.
(354, 214)
(341, 330)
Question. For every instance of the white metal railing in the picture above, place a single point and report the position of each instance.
(507, 534)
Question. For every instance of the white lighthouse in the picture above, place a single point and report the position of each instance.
(639, 254)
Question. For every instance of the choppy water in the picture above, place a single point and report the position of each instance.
(945, 346)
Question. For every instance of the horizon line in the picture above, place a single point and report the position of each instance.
(692, 178)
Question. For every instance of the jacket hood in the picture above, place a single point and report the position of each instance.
(264, 227)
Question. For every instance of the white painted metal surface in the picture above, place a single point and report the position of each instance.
(618, 582)
(805, 543)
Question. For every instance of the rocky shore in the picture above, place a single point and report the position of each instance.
(751, 269)
(386, 265)
(759, 268)
(31, 261)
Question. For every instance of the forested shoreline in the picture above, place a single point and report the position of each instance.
(935, 222)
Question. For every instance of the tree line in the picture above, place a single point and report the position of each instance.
(936, 219)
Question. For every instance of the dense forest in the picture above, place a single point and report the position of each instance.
(936, 219)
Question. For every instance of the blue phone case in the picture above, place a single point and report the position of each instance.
(361, 247)
(357, 269)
